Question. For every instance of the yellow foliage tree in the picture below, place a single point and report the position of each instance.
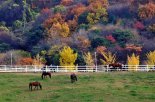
(133, 62)
(38, 60)
(67, 57)
(65, 31)
(88, 59)
(108, 57)
(150, 58)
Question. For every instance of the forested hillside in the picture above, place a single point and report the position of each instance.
(72, 32)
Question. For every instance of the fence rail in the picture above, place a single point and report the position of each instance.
(100, 68)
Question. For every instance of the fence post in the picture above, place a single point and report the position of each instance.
(66, 68)
(136, 68)
(26, 68)
(46, 68)
(96, 68)
(57, 68)
(35, 69)
(16, 68)
(147, 68)
(5, 68)
(107, 68)
(76, 68)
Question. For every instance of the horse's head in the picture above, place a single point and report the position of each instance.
(40, 86)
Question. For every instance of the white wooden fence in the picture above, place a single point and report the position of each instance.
(100, 68)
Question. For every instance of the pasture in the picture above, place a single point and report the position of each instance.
(90, 87)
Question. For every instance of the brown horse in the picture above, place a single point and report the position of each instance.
(115, 66)
(73, 77)
(36, 84)
(44, 74)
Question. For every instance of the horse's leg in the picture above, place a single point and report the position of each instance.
(50, 76)
(31, 87)
(42, 76)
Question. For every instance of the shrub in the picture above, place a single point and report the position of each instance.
(122, 36)
(99, 42)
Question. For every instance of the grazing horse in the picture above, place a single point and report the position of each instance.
(44, 74)
(36, 84)
(115, 66)
(73, 77)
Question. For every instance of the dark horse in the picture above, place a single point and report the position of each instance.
(73, 77)
(44, 74)
(115, 66)
(36, 84)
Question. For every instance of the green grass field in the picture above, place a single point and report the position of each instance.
(91, 87)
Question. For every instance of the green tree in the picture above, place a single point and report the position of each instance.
(100, 42)
(59, 9)
(122, 36)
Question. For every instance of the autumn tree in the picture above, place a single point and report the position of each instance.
(67, 57)
(150, 58)
(59, 9)
(104, 3)
(66, 2)
(39, 60)
(133, 47)
(151, 28)
(78, 10)
(101, 49)
(110, 38)
(83, 43)
(108, 58)
(72, 24)
(146, 11)
(56, 26)
(25, 61)
(97, 11)
(133, 62)
(88, 59)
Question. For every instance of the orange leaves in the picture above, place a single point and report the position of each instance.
(45, 10)
(78, 9)
(66, 2)
(101, 49)
(72, 24)
(84, 43)
(98, 4)
(133, 47)
(147, 11)
(26, 61)
(56, 25)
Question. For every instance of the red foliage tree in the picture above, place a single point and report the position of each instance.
(111, 38)
(139, 25)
